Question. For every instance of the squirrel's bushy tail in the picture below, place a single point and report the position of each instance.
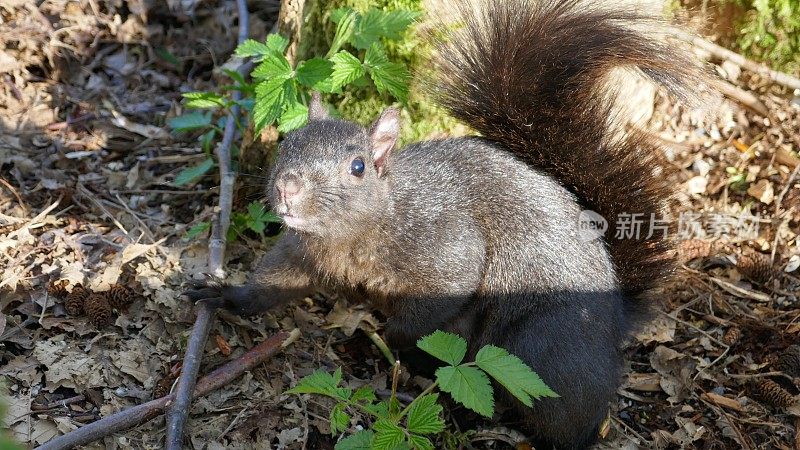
(533, 76)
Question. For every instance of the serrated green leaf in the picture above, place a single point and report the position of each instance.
(196, 230)
(447, 347)
(277, 43)
(420, 442)
(273, 66)
(323, 383)
(314, 71)
(235, 76)
(346, 68)
(359, 441)
(339, 419)
(345, 19)
(468, 386)
(270, 102)
(423, 416)
(293, 118)
(364, 393)
(203, 100)
(388, 76)
(513, 374)
(387, 434)
(190, 121)
(251, 47)
(379, 409)
(375, 24)
(193, 173)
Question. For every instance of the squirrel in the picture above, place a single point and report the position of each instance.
(479, 236)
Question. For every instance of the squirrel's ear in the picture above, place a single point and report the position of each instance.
(383, 135)
(316, 110)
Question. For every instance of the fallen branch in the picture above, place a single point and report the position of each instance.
(179, 410)
(140, 414)
(723, 53)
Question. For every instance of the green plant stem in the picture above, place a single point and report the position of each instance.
(381, 344)
(427, 391)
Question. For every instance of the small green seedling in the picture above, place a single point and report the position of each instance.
(414, 426)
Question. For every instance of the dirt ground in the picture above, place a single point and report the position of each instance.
(87, 196)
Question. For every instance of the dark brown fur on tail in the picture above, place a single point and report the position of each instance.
(533, 77)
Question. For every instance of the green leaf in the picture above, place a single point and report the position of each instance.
(207, 140)
(277, 43)
(346, 68)
(388, 76)
(513, 374)
(359, 441)
(273, 65)
(293, 118)
(448, 347)
(345, 19)
(420, 442)
(251, 47)
(387, 434)
(468, 386)
(339, 419)
(190, 121)
(196, 230)
(235, 76)
(364, 393)
(376, 23)
(203, 100)
(322, 383)
(270, 102)
(423, 416)
(314, 72)
(193, 173)
(379, 409)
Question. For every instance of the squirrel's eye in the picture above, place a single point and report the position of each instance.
(357, 167)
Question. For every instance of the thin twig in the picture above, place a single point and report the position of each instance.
(723, 53)
(179, 411)
(140, 414)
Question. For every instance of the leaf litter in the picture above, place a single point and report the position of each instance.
(88, 196)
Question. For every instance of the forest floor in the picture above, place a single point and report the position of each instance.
(87, 195)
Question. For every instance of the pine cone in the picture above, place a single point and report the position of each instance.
(732, 336)
(773, 394)
(789, 361)
(57, 288)
(692, 249)
(98, 309)
(74, 304)
(120, 297)
(755, 266)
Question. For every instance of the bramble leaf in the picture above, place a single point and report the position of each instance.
(513, 374)
(193, 173)
(314, 71)
(323, 383)
(277, 43)
(339, 419)
(447, 347)
(388, 76)
(190, 121)
(423, 416)
(364, 393)
(420, 442)
(271, 99)
(468, 386)
(387, 434)
(293, 118)
(272, 66)
(346, 68)
(252, 47)
(359, 441)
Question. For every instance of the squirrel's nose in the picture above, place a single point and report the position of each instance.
(289, 187)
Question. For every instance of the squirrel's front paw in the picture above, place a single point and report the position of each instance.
(209, 292)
